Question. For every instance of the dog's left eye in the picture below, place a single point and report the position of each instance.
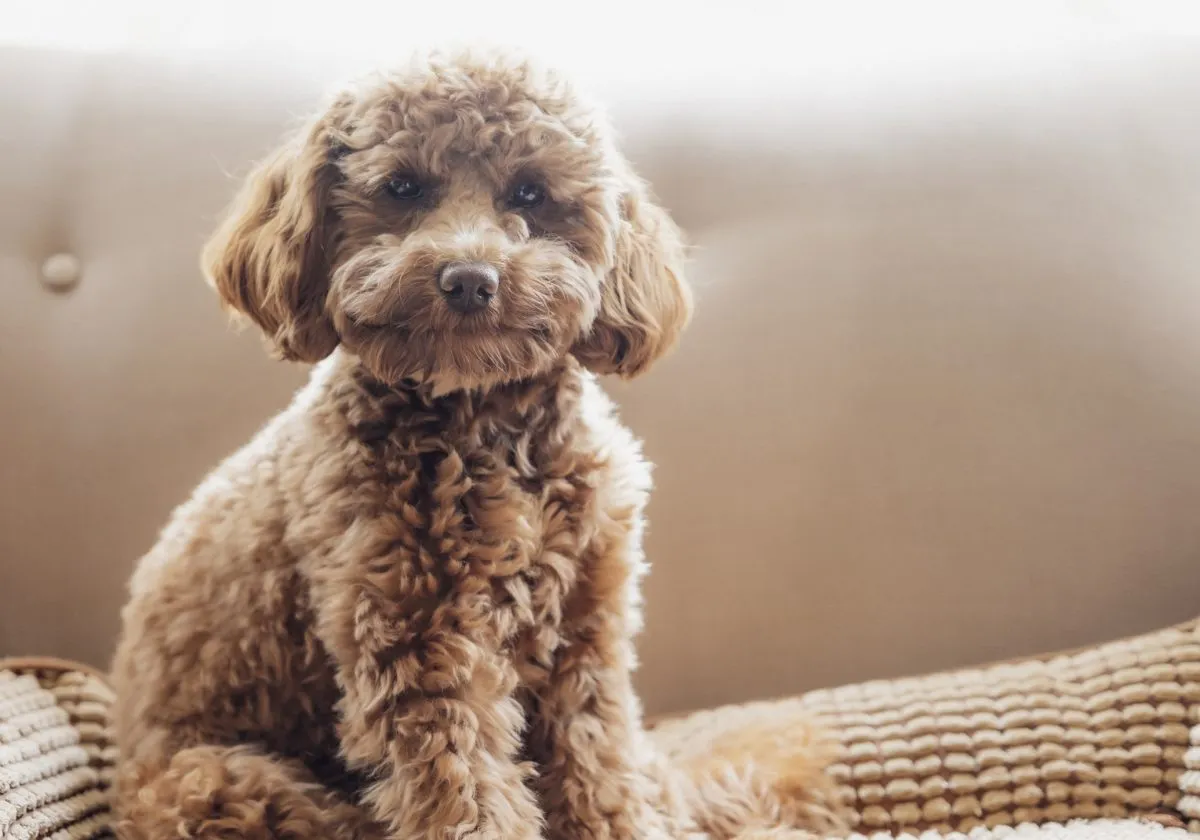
(404, 187)
(527, 195)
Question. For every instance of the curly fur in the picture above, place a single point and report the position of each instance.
(406, 609)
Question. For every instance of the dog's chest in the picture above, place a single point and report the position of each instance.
(510, 527)
(483, 537)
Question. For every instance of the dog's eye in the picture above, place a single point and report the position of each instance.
(527, 195)
(405, 187)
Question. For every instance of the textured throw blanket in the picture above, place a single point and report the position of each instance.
(1099, 744)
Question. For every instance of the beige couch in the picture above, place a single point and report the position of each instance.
(940, 404)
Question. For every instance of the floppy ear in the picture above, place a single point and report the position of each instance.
(645, 302)
(267, 260)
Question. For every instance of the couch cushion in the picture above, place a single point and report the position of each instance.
(945, 365)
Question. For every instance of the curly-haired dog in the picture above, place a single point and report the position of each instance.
(406, 609)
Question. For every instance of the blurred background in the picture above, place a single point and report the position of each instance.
(941, 400)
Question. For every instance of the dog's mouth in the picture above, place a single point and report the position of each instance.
(472, 323)
(451, 327)
(479, 326)
(403, 324)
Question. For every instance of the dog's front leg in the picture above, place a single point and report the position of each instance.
(434, 722)
(594, 780)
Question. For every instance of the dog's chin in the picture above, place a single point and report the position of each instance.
(467, 355)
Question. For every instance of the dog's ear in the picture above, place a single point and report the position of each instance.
(645, 302)
(267, 260)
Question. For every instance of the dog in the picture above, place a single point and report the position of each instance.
(407, 608)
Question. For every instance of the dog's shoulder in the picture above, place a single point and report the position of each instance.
(627, 470)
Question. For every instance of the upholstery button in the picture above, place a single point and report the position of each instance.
(61, 272)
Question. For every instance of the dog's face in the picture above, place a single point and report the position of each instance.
(466, 223)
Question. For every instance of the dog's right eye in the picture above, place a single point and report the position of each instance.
(405, 188)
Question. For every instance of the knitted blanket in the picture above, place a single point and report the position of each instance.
(1106, 732)
(55, 754)
(1099, 743)
(1080, 830)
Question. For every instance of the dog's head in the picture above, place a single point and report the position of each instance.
(465, 222)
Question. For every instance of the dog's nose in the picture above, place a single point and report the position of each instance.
(469, 286)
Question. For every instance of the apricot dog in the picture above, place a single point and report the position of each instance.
(407, 608)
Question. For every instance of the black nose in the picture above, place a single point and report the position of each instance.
(469, 286)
